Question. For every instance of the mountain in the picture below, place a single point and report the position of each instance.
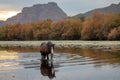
(2, 23)
(113, 8)
(38, 12)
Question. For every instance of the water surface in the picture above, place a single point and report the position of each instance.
(67, 64)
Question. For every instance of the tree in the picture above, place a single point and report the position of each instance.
(72, 29)
(66, 29)
(2, 33)
(114, 34)
(42, 30)
(97, 27)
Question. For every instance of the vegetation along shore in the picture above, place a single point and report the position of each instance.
(97, 27)
(67, 44)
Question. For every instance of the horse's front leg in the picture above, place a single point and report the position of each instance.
(47, 56)
(51, 56)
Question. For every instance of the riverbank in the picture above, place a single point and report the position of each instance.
(61, 44)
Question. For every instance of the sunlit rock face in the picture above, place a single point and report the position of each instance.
(39, 12)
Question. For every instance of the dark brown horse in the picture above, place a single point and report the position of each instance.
(47, 69)
(46, 49)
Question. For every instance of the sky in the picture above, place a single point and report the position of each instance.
(9, 8)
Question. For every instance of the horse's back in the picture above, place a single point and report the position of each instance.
(44, 48)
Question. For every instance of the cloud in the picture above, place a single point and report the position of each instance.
(9, 7)
(7, 14)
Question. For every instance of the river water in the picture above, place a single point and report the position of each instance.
(67, 64)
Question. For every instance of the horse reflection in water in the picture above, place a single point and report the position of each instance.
(47, 68)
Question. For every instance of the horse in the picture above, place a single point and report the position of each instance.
(46, 48)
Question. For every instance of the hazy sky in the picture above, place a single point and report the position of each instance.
(9, 8)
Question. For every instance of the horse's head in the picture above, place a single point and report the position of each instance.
(50, 46)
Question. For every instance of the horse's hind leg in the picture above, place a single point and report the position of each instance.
(43, 55)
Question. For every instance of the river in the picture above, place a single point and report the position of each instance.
(67, 64)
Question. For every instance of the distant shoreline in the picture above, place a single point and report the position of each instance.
(64, 44)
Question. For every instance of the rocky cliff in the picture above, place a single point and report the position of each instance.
(113, 8)
(39, 12)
